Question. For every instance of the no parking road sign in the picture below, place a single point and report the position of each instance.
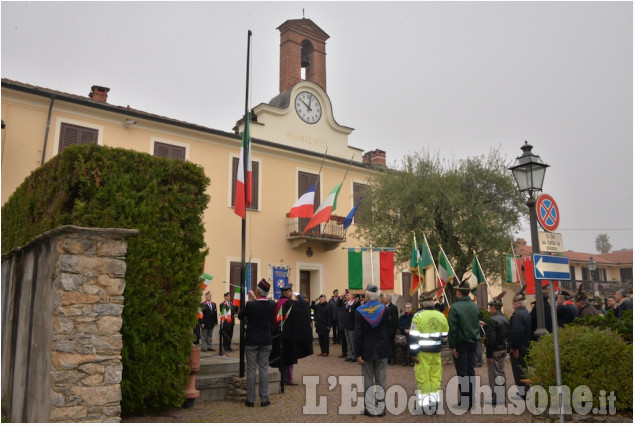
(547, 212)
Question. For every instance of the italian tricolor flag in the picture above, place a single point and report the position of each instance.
(207, 279)
(241, 203)
(236, 301)
(323, 213)
(513, 268)
(365, 267)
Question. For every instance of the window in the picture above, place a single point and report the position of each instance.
(626, 275)
(234, 276)
(305, 181)
(254, 183)
(358, 192)
(165, 150)
(71, 134)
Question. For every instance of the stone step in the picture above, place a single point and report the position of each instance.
(215, 372)
(218, 364)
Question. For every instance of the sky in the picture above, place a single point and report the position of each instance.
(450, 78)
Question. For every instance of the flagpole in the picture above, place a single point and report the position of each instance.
(243, 284)
(489, 290)
(323, 158)
(436, 270)
(372, 272)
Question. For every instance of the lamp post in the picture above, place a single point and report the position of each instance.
(592, 266)
(529, 173)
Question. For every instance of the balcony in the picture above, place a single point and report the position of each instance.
(605, 288)
(331, 233)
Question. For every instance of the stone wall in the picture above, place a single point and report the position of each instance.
(62, 299)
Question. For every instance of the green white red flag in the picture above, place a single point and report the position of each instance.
(323, 213)
(241, 203)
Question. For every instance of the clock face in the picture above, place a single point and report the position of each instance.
(308, 107)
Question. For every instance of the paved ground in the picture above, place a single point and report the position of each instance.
(288, 407)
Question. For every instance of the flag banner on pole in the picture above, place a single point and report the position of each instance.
(236, 302)
(241, 203)
(225, 313)
(513, 268)
(415, 262)
(445, 272)
(323, 213)
(477, 272)
(207, 279)
(362, 269)
(303, 207)
(280, 279)
(528, 267)
(355, 275)
(349, 218)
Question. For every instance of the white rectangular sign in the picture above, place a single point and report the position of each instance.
(550, 242)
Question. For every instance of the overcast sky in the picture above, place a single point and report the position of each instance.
(450, 77)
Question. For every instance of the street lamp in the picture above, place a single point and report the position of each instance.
(529, 173)
(592, 266)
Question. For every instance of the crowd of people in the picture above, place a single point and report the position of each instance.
(371, 332)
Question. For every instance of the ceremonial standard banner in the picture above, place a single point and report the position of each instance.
(280, 279)
(365, 266)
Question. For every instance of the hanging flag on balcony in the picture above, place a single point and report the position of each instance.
(303, 207)
(366, 266)
(349, 218)
(323, 213)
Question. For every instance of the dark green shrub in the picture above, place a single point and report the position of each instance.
(94, 186)
(622, 325)
(597, 358)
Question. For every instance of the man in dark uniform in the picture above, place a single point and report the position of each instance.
(258, 314)
(498, 328)
(520, 336)
(293, 327)
(393, 319)
(371, 348)
(207, 322)
(323, 322)
(565, 311)
(226, 331)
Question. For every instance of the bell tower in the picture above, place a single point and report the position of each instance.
(302, 46)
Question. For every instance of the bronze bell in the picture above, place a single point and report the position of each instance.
(304, 61)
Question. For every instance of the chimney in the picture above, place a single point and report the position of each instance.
(375, 158)
(99, 93)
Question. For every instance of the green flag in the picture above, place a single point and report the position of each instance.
(477, 272)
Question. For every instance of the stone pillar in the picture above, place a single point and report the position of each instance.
(66, 356)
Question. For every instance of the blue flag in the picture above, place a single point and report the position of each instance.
(349, 218)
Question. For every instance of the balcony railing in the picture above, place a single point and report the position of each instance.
(589, 286)
(332, 232)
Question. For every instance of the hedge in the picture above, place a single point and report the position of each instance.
(94, 186)
(592, 356)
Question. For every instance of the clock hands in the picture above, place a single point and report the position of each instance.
(306, 104)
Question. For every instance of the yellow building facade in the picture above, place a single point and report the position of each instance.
(289, 141)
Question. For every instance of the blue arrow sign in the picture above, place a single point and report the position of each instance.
(551, 267)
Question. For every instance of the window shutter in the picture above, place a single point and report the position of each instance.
(165, 150)
(71, 134)
(234, 276)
